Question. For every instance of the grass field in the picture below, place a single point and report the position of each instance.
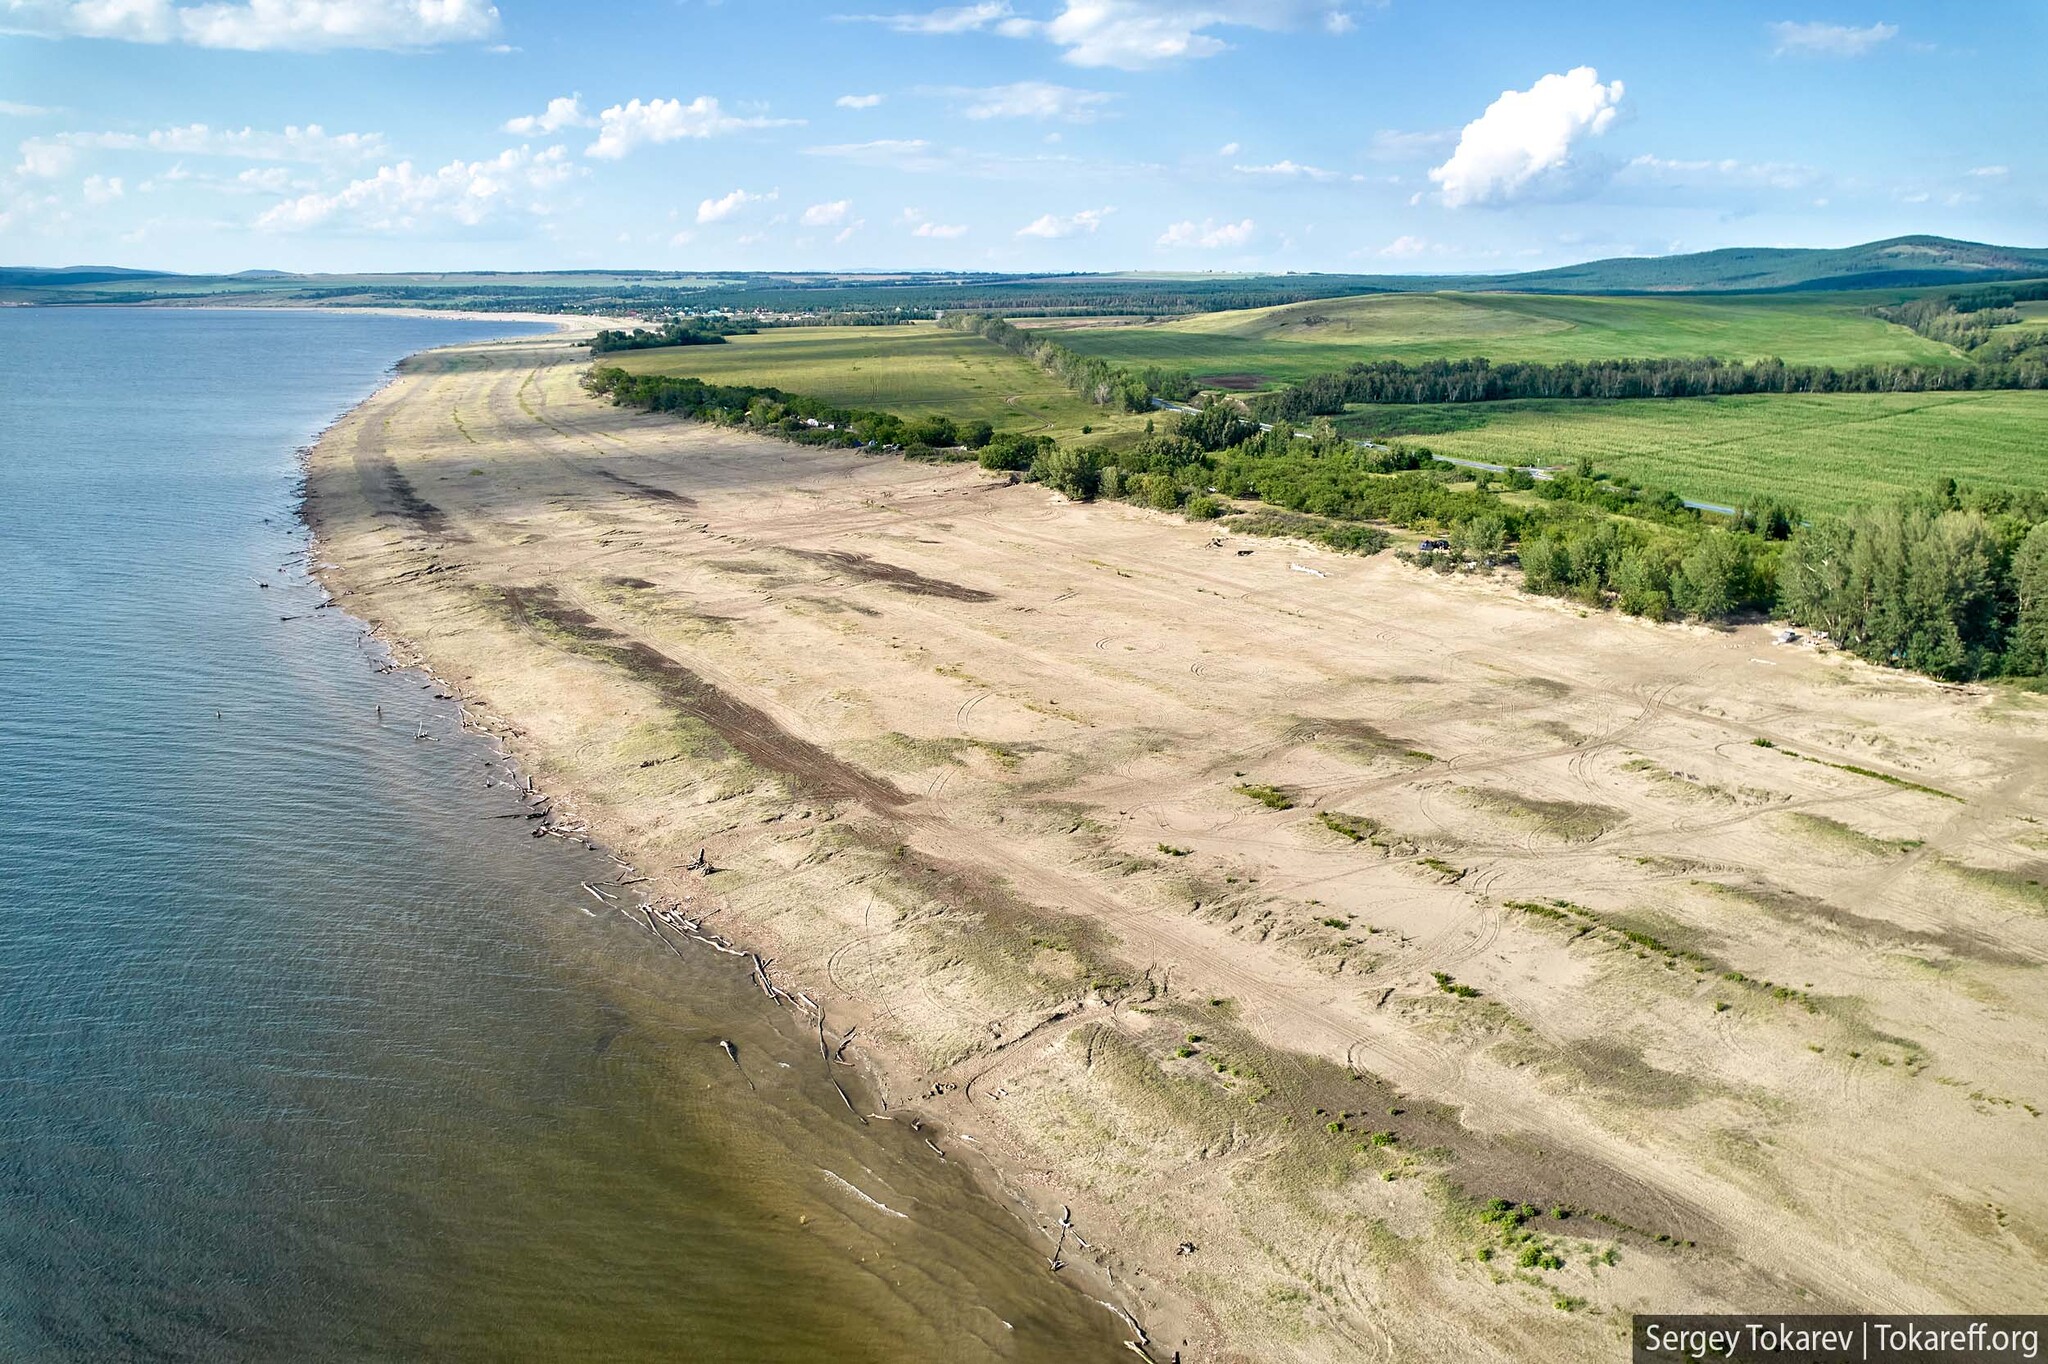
(1287, 343)
(1822, 452)
(912, 370)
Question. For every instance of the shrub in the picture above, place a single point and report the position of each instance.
(1012, 452)
(1072, 472)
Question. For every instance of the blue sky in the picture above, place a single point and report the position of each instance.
(1004, 134)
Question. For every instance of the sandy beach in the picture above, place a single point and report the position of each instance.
(1377, 964)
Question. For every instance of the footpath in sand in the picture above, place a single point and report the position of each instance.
(1280, 921)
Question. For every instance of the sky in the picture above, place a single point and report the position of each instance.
(1010, 135)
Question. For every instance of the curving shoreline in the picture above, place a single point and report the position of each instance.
(1193, 892)
(882, 1069)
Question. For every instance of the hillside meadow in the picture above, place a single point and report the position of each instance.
(913, 370)
(1267, 346)
(1823, 452)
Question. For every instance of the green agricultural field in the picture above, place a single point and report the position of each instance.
(1275, 345)
(913, 370)
(1822, 452)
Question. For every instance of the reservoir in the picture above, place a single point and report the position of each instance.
(306, 1052)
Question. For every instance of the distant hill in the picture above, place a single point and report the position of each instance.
(1900, 264)
(1896, 263)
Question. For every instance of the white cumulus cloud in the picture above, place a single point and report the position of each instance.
(564, 111)
(1404, 248)
(259, 25)
(403, 198)
(1524, 140)
(718, 210)
(944, 231)
(1208, 234)
(1830, 40)
(1052, 225)
(828, 215)
(101, 189)
(858, 101)
(638, 123)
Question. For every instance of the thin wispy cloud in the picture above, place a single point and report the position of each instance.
(1390, 144)
(310, 144)
(1129, 35)
(857, 101)
(1830, 40)
(260, 25)
(1040, 100)
(952, 19)
(1290, 170)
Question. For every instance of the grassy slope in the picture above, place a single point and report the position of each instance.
(1823, 452)
(909, 370)
(1306, 338)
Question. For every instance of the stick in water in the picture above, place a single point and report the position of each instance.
(734, 1053)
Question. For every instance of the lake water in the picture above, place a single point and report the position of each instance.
(303, 1054)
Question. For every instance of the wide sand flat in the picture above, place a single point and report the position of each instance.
(969, 757)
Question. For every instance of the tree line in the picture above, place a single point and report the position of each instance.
(1952, 582)
(1095, 379)
(682, 331)
(1968, 318)
(1478, 380)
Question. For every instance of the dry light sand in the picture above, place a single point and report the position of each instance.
(969, 757)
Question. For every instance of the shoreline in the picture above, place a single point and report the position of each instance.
(1001, 1172)
(1195, 892)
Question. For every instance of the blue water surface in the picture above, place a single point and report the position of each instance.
(304, 1055)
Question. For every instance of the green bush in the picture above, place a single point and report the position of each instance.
(1072, 472)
